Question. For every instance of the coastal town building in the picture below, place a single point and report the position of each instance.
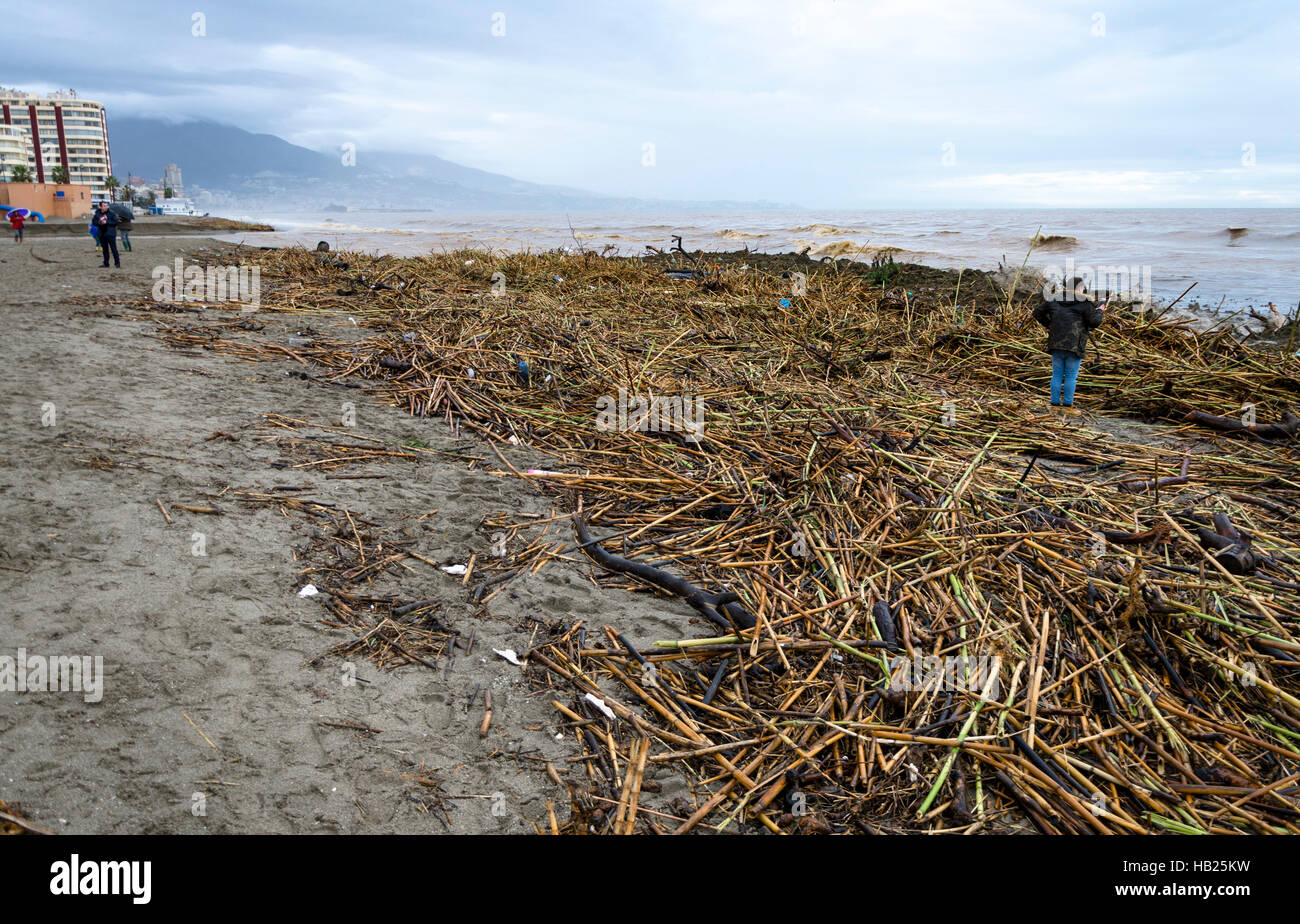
(51, 200)
(174, 206)
(172, 179)
(63, 131)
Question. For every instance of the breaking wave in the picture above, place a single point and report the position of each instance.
(847, 248)
(824, 230)
(1056, 242)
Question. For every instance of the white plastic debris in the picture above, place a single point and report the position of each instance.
(454, 569)
(469, 371)
(600, 704)
(308, 591)
(510, 655)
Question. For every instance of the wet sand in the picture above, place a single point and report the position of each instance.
(210, 695)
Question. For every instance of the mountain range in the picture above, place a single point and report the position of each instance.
(230, 164)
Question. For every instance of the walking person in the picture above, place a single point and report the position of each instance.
(105, 223)
(1068, 319)
(16, 219)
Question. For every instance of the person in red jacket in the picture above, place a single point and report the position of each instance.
(16, 219)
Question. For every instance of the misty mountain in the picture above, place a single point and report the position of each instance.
(210, 154)
(233, 165)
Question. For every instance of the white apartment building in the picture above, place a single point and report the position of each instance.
(15, 149)
(62, 130)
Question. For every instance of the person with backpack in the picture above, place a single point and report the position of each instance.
(105, 224)
(1069, 318)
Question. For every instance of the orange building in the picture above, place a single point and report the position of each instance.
(53, 200)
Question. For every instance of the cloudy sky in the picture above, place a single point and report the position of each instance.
(824, 103)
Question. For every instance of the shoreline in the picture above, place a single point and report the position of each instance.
(148, 225)
(1239, 258)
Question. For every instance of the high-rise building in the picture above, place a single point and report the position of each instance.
(62, 131)
(172, 179)
(15, 149)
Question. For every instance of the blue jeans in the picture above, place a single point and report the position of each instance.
(1065, 370)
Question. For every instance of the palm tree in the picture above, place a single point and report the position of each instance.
(20, 173)
(111, 184)
(59, 174)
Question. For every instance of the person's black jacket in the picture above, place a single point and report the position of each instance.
(1068, 323)
(104, 222)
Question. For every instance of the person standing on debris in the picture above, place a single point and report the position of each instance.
(124, 226)
(105, 224)
(1068, 319)
(16, 219)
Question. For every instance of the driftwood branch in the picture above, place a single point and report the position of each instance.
(1285, 429)
(722, 609)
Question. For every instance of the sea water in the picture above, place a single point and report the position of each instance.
(1238, 258)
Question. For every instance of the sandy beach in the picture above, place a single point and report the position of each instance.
(214, 695)
(408, 440)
